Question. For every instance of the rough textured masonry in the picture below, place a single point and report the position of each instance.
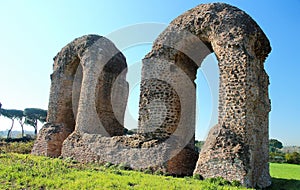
(235, 149)
(81, 93)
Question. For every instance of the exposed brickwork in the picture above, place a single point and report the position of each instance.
(138, 151)
(235, 149)
(77, 90)
(50, 140)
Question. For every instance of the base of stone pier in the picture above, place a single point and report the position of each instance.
(136, 151)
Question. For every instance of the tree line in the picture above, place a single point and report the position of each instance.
(28, 116)
(278, 156)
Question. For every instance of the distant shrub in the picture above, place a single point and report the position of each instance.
(18, 146)
(130, 132)
(277, 157)
(292, 158)
(199, 145)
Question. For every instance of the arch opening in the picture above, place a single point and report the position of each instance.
(237, 145)
(207, 96)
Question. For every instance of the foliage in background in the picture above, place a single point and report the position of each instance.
(29, 116)
(33, 115)
(276, 155)
(17, 134)
(198, 145)
(130, 131)
(275, 145)
(13, 114)
(293, 158)
(21, 146)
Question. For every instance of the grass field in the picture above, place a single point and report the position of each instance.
(23, 171)
(286, 171)
(285, 176)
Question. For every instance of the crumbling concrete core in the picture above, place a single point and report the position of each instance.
(89, 74)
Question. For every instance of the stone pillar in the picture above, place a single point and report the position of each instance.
(102, 64)
(167, 112)
(236, 148)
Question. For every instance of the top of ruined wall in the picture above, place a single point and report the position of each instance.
(214, 24)
(74, 49)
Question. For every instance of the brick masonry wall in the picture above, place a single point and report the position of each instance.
(236, 148)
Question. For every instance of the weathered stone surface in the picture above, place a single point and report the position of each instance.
(81, 97)
(84, 89)
(137, 151)
(81, 94)
(237, 148)
(49, 140)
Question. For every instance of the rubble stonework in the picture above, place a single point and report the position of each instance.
(235, 149)
(80, 98)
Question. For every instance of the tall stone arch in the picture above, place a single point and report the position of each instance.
(237, 147)
(84, 73)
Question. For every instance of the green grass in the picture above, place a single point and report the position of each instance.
(286, 171)
(285, 176)
(23, 171)
(19, 171)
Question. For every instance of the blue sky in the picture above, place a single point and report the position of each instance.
(32, 32)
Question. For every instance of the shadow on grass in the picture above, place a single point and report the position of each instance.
(284, 184)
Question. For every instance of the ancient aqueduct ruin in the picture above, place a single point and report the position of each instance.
(89, 94)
